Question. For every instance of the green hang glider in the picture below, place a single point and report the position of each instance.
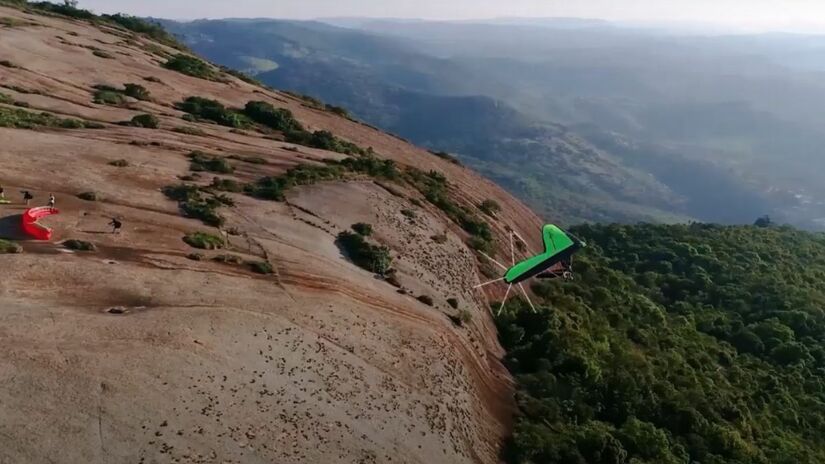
(559, 247)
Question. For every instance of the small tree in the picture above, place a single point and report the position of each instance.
(764, 221)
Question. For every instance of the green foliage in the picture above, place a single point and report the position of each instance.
(67, 9)
(191, 66)
(149, 29)
(435, 188)
(106, 95)
(7, 247)
(260, 267)
(203, 241)
(362, 229)
(324, 140)
(446, 156)
(90, 196)
(490, 207)
(273, 188)
(371, 257)
(22, 119)
(280, 119)
(147, 121)
(137, 91)
(195, 204)
(200, 161)
(212, 110)
(5, 99)
(79, 245)
(675, 344)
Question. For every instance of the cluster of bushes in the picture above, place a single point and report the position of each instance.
(446, 156)
(108, 95)
(79, 245)
(280, 119)
(324, 140)
(258, 267)
(490, 207)
(22, 119)
(273, 188)
(205, 109)
(365, 255)
(435, 188)
(152, 30)
(147, 121)
(203, 241)
(675, 344)
(7, 247)
(191, 66)
(200, 161)
(196, 204)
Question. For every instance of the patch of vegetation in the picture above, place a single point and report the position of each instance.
(248, 159)
(5, 99)
(308, 100)
(149, 29)
(191, 66)
(490, 207)
(121, 163)
(362, 229)
(195, 204)
(79, 245)
(195, 256)
(226, 185)
(147, 121)
(435, 188)
(324, 140)
(106, 95)
(90, 196)
(338, 110)
(243, 76)
(273, 188)
(137, 92)
(203, 241)
(463, 318)
(9, 22)
(446, 156)
(22, 119)
(200, 161)
(7, 247)
(279, 119)
(675, 344)
(212, 110)
(103, 54)
(365, 255)
(260, 267)
(187, 130)
(426, 299)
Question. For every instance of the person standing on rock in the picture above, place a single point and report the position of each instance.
(116, 226)
(51, 201)
(27, 197)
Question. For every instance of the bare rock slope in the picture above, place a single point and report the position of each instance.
(137, 352)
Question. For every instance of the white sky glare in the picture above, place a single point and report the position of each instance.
(739, 14)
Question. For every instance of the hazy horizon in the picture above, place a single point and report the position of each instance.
(736, 15)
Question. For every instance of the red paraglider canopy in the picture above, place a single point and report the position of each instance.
(32, 228)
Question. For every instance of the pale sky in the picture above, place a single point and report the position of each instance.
(739, 14)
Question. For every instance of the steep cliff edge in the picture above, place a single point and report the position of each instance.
(147, 350)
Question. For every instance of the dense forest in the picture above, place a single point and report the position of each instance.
(676, 344)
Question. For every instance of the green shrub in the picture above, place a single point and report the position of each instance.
(280, 119)
(137, 91)
(324, 140)
(195, 256)
(191, 66)
(90, 196)
(362, 229)
(193, 204)
(339, 111)
(227, 185)
(7, 247)
(22, 119)
(260, 267)
(149, 29)
(446, 156)
(463, 318)
(203, 241)
(147, 121)
(186, 130)
(212, 110)
(273, 188)
(201, 161)
(5, 99)
(79, 245)
(109, 97)
(490, 207)
(121, 163)
(371, 257)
